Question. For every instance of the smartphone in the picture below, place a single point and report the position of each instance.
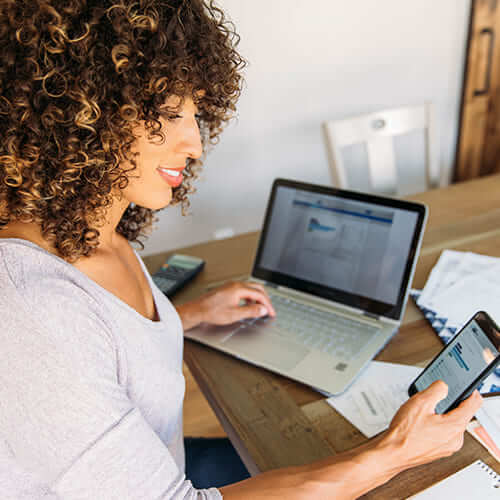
(470, 356)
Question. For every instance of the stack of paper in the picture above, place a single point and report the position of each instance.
(460, 284)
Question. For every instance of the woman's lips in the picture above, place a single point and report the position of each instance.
(169, 176)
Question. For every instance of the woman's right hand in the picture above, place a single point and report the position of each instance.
(420, 435)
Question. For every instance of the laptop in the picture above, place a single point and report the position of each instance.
(337, 266)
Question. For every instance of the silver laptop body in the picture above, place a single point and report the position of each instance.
(338, 266)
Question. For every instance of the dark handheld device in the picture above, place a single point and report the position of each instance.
(177, 271)
(470, 356)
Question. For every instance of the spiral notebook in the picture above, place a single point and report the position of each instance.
(476, 481)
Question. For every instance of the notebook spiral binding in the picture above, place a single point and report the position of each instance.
(491, 473)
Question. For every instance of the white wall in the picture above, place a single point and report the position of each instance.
(311, 60)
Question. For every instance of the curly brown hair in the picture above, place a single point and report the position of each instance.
(76, 76)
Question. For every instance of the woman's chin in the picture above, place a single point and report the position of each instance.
(159, 203)
(150, 198)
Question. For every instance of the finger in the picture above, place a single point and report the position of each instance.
(435, 393)
(249, 293)
(467, 408)
(261, 288)
(248, 311)
(257, 286)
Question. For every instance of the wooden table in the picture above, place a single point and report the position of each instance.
(275, 422)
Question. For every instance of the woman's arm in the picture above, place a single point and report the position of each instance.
(416, 436)
(347, 475)
(227, 304)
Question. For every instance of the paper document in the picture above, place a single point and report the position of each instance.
(451, 268)
(460, 284)
(476, 292)
(477, 431)
(489, 418)
(442, 274)
(491, 410)
(371, 402)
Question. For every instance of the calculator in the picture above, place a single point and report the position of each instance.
(177, 271)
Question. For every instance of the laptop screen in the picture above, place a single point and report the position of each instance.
(354, 248)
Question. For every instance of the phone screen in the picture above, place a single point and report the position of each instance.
(460, 363)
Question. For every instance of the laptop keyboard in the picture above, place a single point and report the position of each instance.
(329, 332)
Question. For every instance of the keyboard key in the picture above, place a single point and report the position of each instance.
(323, 330)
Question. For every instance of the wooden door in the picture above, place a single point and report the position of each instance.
(478, 148)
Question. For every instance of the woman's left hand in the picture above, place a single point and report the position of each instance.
(227, 304)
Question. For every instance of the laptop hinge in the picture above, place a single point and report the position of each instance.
(371, 315)
(271, 285)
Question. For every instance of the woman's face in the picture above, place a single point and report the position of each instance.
(159, 166)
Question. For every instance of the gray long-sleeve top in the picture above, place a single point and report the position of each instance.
(91, 391)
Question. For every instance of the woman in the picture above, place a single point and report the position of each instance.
(106, 107)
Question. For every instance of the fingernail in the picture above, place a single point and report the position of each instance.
(262, 311)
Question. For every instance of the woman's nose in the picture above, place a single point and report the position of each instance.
(194, 148)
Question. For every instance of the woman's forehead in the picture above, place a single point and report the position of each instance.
(176, 101)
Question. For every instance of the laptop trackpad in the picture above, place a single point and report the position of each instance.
(263, 346)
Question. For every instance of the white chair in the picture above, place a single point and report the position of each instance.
(379, 131)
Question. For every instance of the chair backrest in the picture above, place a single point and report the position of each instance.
(377, 131)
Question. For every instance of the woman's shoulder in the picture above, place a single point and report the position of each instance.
(35, 283)
(47, 309)
(23, 258)
(27, 266)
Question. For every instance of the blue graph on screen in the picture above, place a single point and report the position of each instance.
(315, 225)
(456, 353)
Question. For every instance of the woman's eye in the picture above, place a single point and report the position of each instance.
(171, 117)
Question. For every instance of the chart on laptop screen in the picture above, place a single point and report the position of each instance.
(356, 247)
